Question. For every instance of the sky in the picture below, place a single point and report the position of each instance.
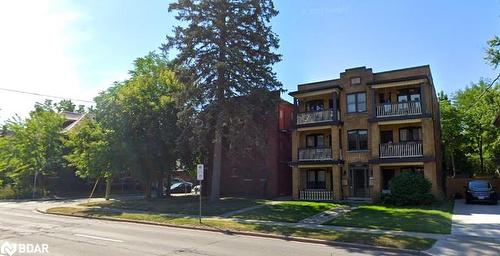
(75, 49)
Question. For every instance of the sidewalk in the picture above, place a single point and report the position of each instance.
(344, 229)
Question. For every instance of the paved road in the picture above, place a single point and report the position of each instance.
(19, 223)
(475, 231)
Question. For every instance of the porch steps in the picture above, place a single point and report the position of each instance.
(326, 216)
(357, 201)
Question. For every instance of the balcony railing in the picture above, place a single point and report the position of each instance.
(399, 150)
(399, 109)
(315, 116)
(316, 195)
(315, 154)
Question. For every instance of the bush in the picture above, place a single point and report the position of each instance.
(409, 189)
(7, 192)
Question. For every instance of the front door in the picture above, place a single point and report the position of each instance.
(359, 182)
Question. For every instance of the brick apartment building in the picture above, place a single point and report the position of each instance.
(353, 134)
(258, 177)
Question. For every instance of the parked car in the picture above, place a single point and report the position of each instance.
(181, 187)
(176, 180)
(480, 191)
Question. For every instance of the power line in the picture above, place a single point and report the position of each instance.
(45, 95)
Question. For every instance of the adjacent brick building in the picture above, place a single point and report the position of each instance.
(258, 177)
(354, 134)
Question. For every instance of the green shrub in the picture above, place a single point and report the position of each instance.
(409, 189)
(7, 192)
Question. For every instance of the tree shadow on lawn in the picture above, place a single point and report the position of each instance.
(188, 205)
(286, 212)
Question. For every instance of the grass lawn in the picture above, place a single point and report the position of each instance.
(435, 218)
(179, 205)
(402, 242)
(292, 211)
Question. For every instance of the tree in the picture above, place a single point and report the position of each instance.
(34, 149)
(143, 114)
(478, 105)
(451, 129)
(91, 152)
(65, 105)
(225, 52)
(493, 52)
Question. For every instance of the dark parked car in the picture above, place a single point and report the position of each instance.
(181, 187)
(480, 191)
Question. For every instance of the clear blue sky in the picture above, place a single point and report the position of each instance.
(81, 47)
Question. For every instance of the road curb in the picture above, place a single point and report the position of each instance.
(247, 233)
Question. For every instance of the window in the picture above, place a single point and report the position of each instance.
(355, 80)
(314, 105)
(409, 95)
(357, 140)
(356, 102)
(410, 134)
(316, 179)
(315, 140)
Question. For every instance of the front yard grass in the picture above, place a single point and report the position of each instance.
(290, 211)
(179, 205)
(435, 218)
(401, 242)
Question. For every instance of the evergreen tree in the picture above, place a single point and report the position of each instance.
(225, 52)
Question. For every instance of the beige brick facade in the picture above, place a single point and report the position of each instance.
(354, 133)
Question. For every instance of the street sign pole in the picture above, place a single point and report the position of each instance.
(199, 177)
(199, 218)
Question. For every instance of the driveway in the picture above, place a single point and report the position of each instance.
(475, 231)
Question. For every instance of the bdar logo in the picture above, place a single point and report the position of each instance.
(8, 249)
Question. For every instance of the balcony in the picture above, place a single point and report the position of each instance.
(315, 117)
(315, 154)
(401, 150)
(399, 109)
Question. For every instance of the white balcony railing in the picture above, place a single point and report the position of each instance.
(315, 154)
(315, 117)
(399, 109)
(398, 150)
(316, 195)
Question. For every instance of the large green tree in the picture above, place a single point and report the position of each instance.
(225, 52)
(479, 105)
(34, 149)
(92, 152)
(143, 115)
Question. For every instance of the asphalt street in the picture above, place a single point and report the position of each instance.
(20, 223)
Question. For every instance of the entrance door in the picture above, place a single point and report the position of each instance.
(359, 182)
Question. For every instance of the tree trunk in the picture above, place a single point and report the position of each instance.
(480, 146)
(217, 160)
(167, 187)
(453, 163)
(109, 180)
(147, 189)
(159, 191)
